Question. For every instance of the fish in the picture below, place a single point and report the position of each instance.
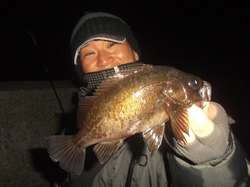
(138, 100)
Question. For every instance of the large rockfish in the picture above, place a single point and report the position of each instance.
(138, 100)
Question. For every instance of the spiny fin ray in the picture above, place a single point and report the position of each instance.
(104, 150)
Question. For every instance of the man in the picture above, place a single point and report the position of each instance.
(103, 44)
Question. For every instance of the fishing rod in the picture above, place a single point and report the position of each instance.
(61, 130)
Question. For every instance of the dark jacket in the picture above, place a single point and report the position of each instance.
(214, 160)
(166, 168)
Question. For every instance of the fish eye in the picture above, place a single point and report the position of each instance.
(194, 83)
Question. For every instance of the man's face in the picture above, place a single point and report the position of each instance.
(100, 55)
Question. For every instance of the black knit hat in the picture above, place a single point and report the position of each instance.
(103, 26)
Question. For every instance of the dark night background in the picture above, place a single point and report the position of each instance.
(202, 37)
(207, 38)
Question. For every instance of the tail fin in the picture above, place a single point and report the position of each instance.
(70, 157)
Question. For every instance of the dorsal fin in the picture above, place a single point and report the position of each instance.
(115, 78)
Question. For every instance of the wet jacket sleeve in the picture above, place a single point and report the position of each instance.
(216, 160)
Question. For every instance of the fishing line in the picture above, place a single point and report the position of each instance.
(46, 70)
(62, 129)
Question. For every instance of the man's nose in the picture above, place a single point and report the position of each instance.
(104, 59)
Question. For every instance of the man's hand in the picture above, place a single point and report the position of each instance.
(209, 134)
(200, 121)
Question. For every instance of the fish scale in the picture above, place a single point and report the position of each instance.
(138, 100)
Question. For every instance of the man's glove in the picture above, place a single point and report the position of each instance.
(209, 134)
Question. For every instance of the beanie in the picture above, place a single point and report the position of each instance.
(100, 26)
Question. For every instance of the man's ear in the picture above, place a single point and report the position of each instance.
(136, 55)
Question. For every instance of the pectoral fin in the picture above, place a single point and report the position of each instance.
(104, 150)
(179, 122)
(153, 137)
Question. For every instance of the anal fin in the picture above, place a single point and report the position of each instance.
(104, 150)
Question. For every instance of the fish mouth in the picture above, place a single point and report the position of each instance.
(205, 92)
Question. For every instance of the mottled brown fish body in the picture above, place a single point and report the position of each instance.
(138, 100)
(120, 111)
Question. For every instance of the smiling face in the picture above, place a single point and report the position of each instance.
(100, 55)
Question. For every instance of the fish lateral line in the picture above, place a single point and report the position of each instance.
(160, 106)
